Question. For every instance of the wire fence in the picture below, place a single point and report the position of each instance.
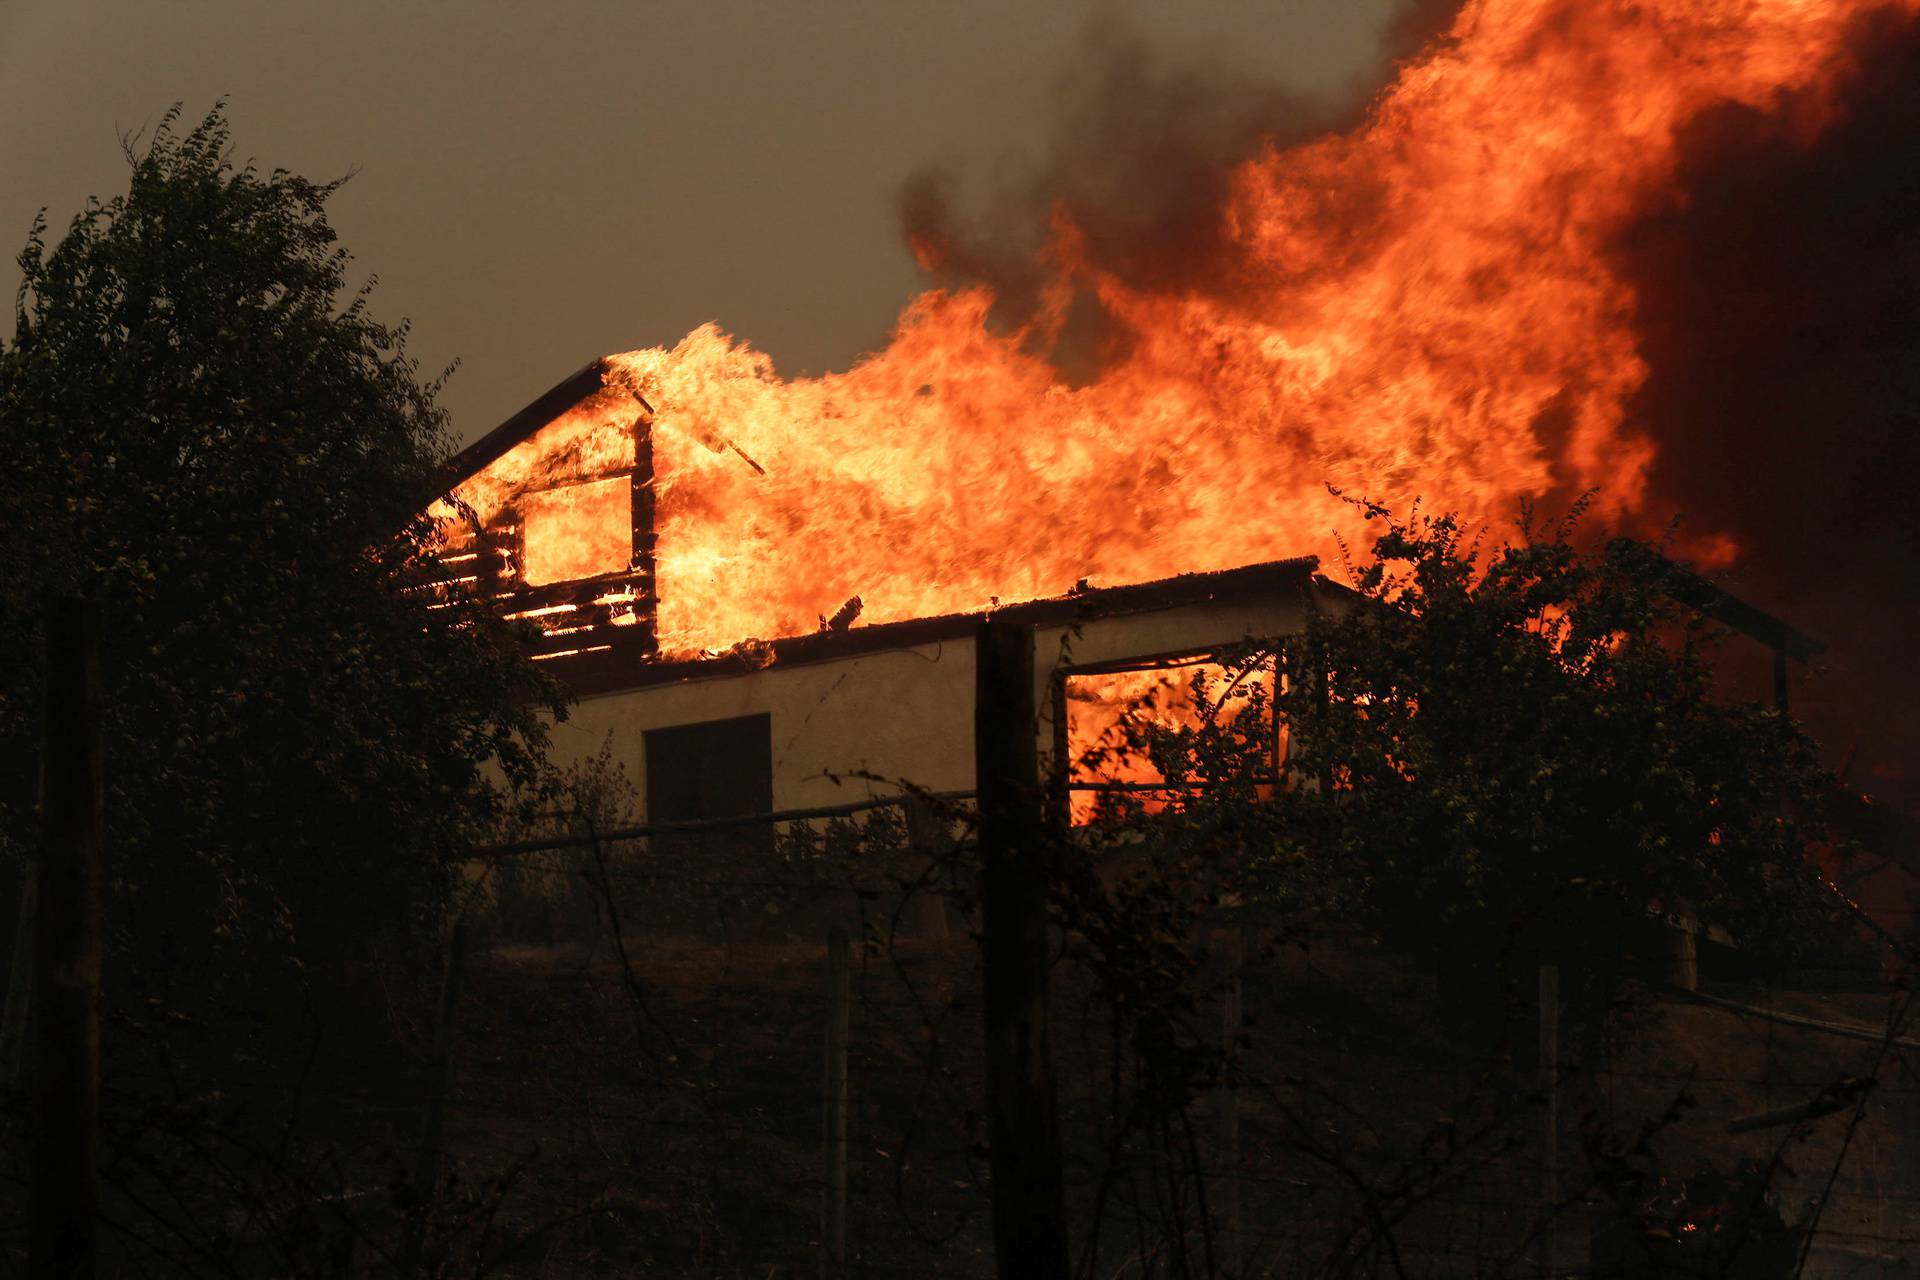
(660, 1061)
(755, 1047)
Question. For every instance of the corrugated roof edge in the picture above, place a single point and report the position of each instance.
(616, 670)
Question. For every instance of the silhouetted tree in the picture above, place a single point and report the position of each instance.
(208, 432)
(1523, 743)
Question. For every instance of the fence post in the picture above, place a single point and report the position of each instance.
(13, 1022)
(1549, 1084)
(1232, 1016)
(1683, 962)
(1029, 1198)
(66, 997)
(833, 1114)
(426, 1168)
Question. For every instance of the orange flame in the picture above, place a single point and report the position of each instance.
(578, 531)
(1424, 306)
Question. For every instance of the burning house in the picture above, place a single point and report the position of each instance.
(1467, 298)
(722, 688)
(556, 516)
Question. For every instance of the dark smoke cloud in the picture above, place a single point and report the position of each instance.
(1780, 308)
(1140, 152)
(1415, 25)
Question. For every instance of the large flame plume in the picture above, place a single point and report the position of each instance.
(1423, 306)
(1429, 304)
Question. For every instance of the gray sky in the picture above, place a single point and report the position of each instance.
(539, 184)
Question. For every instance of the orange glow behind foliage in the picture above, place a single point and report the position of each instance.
(1112, 715)
(1424, 306)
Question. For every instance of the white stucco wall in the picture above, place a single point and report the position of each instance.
(898, 714)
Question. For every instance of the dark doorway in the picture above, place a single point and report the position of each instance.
(713, 769)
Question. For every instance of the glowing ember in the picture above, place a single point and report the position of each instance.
(1425, 306)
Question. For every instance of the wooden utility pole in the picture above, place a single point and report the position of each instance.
(833, 1112)
(66, 997)
(1029, 1198)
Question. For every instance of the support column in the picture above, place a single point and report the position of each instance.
(1029, 1198)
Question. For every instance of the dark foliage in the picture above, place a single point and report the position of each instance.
(1495, 758)
(1712, 1224)
(207, 432)
(1522, 744)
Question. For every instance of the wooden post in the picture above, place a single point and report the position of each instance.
(1549, 1085)
(1062, 765)
(645, 559)
(833, 1113)
(13, 1022)
(1029, 1198)
(426, 1167)
(66, 999)
(1232, 1018)
(1683, 965)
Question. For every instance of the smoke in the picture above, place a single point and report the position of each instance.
(1138, 158)
(1780, 315)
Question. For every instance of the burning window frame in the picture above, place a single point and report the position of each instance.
(1066, 762)
(534, 506)
(610, 613)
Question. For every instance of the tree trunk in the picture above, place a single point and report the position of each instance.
(66, 999)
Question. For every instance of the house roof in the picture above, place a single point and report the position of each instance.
(624, 666)
(616, 668)
(550, 404)
(1713, 601)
